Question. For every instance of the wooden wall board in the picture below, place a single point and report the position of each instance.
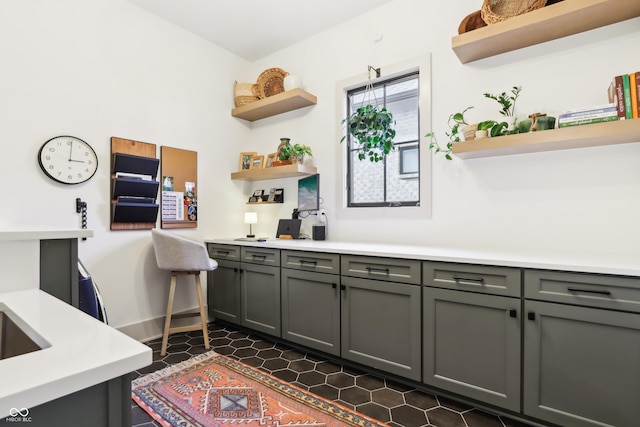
(136, 148)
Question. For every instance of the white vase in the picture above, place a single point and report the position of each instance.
(292, 82)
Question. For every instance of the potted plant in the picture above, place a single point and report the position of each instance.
(456, 120)
(372, 128)
(507, 106)
(290, 153)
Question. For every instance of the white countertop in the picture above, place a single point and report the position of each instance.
(8, 233)
(565, 263)
(83, 352)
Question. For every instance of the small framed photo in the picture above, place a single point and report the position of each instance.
(270, 159)
(257, 161)
(272, 195)
(245, 160)
(278, 195)
(258, 193)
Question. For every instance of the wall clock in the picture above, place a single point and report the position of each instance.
(68, 160)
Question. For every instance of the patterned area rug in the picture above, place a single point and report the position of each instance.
(212, 390)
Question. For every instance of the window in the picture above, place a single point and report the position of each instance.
(395, 181)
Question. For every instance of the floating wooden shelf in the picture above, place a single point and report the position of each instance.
(286, 171)
(610, 133)
(548, 23)
(281, 103)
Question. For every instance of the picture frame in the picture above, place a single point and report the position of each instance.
(270, 159)
(245, 159)
(258, 193)
(257, 162)
(272, 195)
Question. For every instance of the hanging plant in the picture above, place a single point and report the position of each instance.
(371, 127)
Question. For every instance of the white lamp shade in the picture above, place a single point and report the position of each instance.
(250, 217)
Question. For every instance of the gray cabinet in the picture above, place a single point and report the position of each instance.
(381, 318)
(581, 362)
(260, 290)
(471, 336)
(223, 283)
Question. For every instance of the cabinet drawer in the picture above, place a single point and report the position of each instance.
(263, 256)
(228, 252)
(388, 269)
(311, 261)
(475, 278)
(593, 290)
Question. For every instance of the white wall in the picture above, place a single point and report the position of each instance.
(580, 204)
(101, 68)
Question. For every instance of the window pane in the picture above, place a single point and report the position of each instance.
(367, 183)
(385, 183)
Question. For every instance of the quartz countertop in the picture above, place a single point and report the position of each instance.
(83, 352)
(8, 233)
(428, 253)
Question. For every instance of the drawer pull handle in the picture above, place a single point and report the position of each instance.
(479, 280)
(261, 256)
(590, 291)
(236, 269)
(513, 312)
(531, 315)
(219, 252)
(334, 285)
(309, 262)
(343, 287)
(374, 270)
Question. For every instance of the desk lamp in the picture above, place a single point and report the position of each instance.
(250, 218)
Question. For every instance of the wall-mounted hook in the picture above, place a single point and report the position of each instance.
(81, 207)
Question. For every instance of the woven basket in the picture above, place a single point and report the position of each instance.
(244, 93)
(494, 11)
(271, 82)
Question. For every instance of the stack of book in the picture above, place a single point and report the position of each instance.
(623, 91)
(588, 115)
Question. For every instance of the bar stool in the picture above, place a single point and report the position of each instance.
(182, 256)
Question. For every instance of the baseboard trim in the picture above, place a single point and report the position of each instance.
(151, 329)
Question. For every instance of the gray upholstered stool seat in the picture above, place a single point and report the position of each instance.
(182, 256)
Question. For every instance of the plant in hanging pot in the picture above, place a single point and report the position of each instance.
(372, 129)
(457, 122)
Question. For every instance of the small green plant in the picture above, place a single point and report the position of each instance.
(456, 120)
(295, 151)
(372, 128)
(507, 102)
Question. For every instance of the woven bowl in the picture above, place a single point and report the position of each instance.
(244, 93)
(494, 11)
(271, 82)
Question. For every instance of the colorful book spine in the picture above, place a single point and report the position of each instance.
(633, 86)
(637, 74)
(580, 122)
(627, 96)
(595, 112)
(616, 95)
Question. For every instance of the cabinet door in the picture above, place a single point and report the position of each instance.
(311, 309)
(472, 345)
(260, 296)
(223, 291)
(381, 325)
(581, 365)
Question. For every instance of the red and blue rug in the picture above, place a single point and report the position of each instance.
(212, 390)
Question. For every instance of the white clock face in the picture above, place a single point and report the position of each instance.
(68, 160)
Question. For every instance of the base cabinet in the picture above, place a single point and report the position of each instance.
(223, 293)
(581, 365)
(381, 325)
(260, 291)
(471, 345)
(311, 309)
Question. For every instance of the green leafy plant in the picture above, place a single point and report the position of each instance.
(507, 101)
(456, 120)
(295, 152)
(372, 129)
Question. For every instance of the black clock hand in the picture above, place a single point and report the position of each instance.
(78, 161)
(71, 151)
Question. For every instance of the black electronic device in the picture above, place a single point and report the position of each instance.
(289, 227)
(319, 232)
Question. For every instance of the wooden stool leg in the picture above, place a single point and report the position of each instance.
(167, 319)
(203, 315)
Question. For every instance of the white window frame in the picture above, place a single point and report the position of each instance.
(421, 64)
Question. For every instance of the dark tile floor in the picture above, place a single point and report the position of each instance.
(388, 401)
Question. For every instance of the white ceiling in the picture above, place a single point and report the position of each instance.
(253, 29)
